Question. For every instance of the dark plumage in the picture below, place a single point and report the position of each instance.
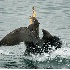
(34, 27)
(30, 36)
(49, 41)
(18, 35)
(22, 34)
(43, 45)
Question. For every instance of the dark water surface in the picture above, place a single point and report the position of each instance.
(54, 16)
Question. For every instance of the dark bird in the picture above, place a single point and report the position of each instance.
(30, 36)
(43, 45)
(22, 34)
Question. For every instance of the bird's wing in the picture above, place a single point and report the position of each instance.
(18, 35)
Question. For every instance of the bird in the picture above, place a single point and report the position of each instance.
(22, 34)
(30, 36)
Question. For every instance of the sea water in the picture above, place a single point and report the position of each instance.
(53, 15)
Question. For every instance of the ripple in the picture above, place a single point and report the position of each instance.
(2, 0)
(61, 28)
(20, 1)
(55, 15)
(1, 22)
(54, 8)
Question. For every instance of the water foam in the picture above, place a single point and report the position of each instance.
(62, 52)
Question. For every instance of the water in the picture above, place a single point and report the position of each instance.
(54, 16)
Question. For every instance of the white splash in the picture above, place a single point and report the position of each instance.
(62, 52)
(4, 52)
